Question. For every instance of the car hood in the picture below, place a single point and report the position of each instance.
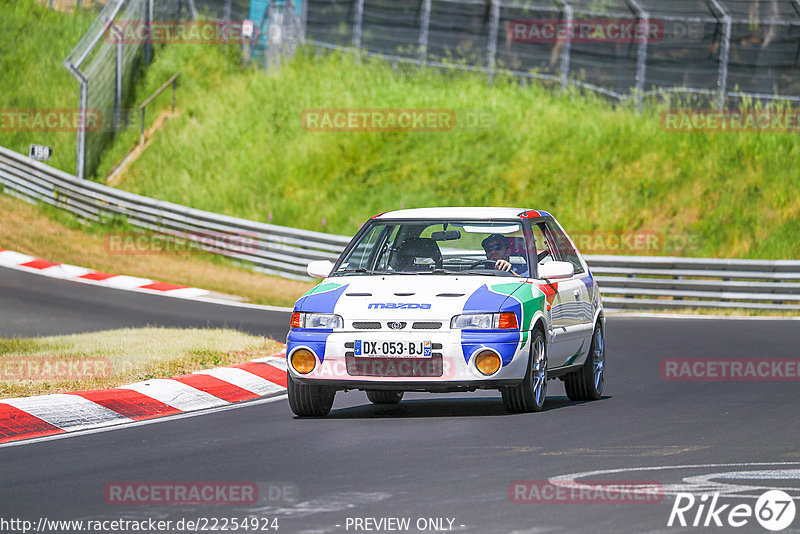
(414, 297)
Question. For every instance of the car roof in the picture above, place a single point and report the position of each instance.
(456, 212)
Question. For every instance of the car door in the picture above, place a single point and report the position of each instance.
(570, 314)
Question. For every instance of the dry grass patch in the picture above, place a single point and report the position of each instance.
(56, 237)
(58, 364)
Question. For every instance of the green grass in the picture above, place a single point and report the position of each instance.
(238, 147)
(34, 40)
(55, 364)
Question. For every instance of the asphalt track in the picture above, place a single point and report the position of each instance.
(433, 456)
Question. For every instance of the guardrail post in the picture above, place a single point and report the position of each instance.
(491, 56)
(425, 23)
(567, 48)
(641, 55)
(722, 78)
(358, 20)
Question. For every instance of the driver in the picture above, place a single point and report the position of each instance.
(496, 248)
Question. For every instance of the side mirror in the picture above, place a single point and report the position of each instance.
(556, 270)
(319, 268)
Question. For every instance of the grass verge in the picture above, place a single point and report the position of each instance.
(58, 364)
(239, 147)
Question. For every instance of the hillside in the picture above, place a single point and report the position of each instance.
(238, 146)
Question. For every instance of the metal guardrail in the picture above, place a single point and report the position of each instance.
(627, 282)
(270, 248)
(640, 282)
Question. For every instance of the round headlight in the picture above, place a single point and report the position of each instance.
(487, 362)
(303, 361)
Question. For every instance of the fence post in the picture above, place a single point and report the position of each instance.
(148, 46)
(80, 144)
(641, 55)
(722, 79)
(304, 18)
(565, 52)
(494, 21)
(117, 75)
(358, 19)
(425, 23)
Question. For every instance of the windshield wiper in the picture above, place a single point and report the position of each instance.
(484, 272)
(362, 270)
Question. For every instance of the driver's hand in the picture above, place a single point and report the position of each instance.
(502, 265)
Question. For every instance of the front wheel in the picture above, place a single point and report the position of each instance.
(586, 384)
(307, 400)
(529, 396)
(384, 397)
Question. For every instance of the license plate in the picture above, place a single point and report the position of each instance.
(397, 349)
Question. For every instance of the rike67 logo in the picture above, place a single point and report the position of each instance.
(774, 510)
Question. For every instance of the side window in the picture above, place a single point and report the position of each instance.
(543, 254)
(560, 246)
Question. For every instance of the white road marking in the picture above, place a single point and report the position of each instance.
(165, 419)
(176, 394)
(187, 292)
(68, 412)
(243, 379)
(698, 484)
(274, 361)
(66, 271)
(126, 282)
(12, 259)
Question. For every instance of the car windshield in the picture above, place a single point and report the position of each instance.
(437, 247)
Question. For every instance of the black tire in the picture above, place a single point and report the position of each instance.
(308, 400)
(587, 383)
(384, 397)
(530, 394)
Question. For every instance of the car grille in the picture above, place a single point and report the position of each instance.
(367, 325)
(426, 325)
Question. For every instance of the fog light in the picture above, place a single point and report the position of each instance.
(487, 362)
(303, 361)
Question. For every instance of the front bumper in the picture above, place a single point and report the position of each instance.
(450, 367)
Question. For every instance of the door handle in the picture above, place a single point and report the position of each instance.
(577, 294)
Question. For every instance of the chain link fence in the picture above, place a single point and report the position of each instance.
(104, 70)
(719, 50)
(122, 37)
